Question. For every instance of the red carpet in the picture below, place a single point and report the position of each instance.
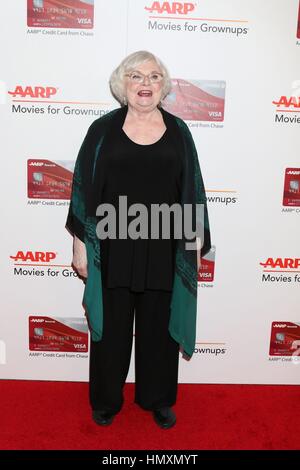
(56, 415)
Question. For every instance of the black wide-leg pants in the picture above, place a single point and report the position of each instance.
(156, 352)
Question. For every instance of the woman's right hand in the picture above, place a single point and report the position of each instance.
(79, 257)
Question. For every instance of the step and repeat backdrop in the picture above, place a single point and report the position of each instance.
(235, 68)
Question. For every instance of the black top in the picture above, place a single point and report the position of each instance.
(145, 174)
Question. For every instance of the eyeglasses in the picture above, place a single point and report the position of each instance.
(138, 77)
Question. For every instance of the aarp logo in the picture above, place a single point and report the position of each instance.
(171, 8)
(34, 256)
(31, 92)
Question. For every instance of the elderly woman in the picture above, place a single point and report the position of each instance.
(148, 155)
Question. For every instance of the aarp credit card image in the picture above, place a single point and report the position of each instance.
(58, 334)
(207, 269)
(196, 100)
(285, 339)
(76, 14)
(49, 180)
(291, 192)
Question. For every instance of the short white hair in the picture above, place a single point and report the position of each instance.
(130, 63)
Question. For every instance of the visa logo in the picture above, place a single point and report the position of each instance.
(84, 20)
(79, 346)
(215, 114)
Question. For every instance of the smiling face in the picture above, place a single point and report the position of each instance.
(145, 96)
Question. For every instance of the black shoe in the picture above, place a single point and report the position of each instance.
(104, 418)
(164, 417)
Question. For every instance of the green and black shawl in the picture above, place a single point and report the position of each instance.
(82, 222)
